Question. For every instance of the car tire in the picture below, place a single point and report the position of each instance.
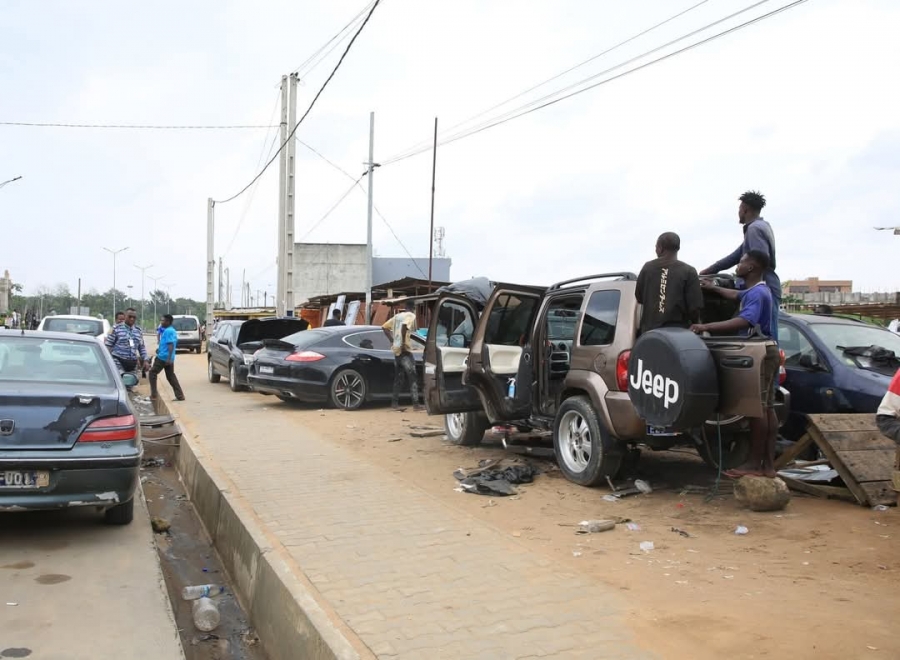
(211, 374)
(586, 452)
(466, 429)
(121, 514)
(735, 444)
(348, 389)
(232, 378)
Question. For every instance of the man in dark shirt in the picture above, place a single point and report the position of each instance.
(668, 289)
(335, 319)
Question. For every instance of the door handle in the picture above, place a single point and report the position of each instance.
(742, 362)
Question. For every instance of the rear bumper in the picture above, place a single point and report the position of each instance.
(184, 344)
(102, 487)
(311, 392)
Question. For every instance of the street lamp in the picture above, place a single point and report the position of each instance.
(114, 253)
(168, 286)
(130, 295)
(156, 288)
(143, 270)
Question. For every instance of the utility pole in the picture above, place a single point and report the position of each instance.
(243, 286)
(288, 269)
(114, 253)
(210, 260)
(431, 229)
(370, 173)
(143, 270)
(227, 301)
(156, 287)
(221, 289)
(282, 199)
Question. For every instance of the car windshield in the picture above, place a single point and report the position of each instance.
(839, 337)
(78, 326)
(184, 324)
(52, 360)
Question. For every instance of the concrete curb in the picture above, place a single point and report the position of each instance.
(291, 618)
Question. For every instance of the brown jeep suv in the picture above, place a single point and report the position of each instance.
(557, 359)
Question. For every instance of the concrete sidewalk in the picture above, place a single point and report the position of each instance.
(399, 574)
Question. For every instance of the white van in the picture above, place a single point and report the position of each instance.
(81, 325)
(188, 329)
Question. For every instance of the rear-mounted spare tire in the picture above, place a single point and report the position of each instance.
(672, 379)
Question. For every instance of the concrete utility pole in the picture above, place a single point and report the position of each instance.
(370, 173)
(431, 230)
(210, 260)
(143, 270)
(114, 253)
(243, 286)
(221, 289)
(289, 203)
(227, 300)
(282, 199)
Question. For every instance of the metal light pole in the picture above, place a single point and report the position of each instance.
(370, 171)
(156, 288)
(114, 253)
(130, 296)
(143, 270)
(168, 286)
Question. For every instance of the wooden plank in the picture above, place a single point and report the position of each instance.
(861, 496)
(791, 453)
(825, 492)
(880, 492)
(844, 422)
(869, 465)
(853, 440)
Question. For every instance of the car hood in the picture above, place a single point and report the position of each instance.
(261, 329)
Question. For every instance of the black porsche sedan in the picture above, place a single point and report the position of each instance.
(68, 433)
(345, 366)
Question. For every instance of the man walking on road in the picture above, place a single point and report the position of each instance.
(126, 345)
(398, 329)
(668, 289)
(758, 235)
(334, 320)
(165, 360)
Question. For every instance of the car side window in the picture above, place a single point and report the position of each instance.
(599, 325)
(454, 326)
(373, 341)
(510, 321)
(794, 344)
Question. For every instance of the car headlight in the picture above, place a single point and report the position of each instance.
(248, 360)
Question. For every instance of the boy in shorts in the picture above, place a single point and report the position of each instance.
(755, 314)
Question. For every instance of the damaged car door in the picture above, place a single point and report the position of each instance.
(447, 347)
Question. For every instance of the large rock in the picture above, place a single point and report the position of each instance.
(762, 493)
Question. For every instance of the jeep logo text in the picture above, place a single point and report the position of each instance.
(654, 384)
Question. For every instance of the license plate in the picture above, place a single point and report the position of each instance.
(182, 334)
(24, 479)
(267, 370)
(659, 431)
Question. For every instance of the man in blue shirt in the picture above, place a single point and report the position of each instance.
(758, 235)
(754, 317)
(165, 359)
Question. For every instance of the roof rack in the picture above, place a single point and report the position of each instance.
(621, 276)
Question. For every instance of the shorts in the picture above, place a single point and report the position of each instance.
(769, 374)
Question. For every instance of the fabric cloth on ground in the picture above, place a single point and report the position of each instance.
(491, 478)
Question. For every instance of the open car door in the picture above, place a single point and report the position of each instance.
(447, 346)
(501, 360)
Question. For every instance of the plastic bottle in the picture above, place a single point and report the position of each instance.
(511, 390)
(202, 591)
(206, 614)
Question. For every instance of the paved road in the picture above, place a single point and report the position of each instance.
(72, 588)
(412, 577)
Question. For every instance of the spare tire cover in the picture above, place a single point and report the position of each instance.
(672, 379)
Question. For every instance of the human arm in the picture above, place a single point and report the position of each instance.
(889, 427)
(731, 326)
(387, 329)
(728, 294)
(725, 262)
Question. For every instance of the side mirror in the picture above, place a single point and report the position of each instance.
(225, 342)
(457, 340)
(810, 361)
(130, 380)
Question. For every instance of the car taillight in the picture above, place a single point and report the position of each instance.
(110, 429)
(622, 370)
(305, 356)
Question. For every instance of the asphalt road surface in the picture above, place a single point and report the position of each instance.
(72, 588)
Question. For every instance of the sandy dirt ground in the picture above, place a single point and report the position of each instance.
(818, 580)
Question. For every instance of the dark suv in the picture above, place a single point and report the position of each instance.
(557, 359)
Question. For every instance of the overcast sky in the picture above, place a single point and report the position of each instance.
(803, 107)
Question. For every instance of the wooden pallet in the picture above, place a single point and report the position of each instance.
(853, 445)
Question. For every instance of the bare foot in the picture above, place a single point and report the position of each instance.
(737, 473)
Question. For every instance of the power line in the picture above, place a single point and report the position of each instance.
(344, 29)
(331, 210)
(397, 238)
(323, 157)
(311, 105)
(562, 73)
(521, 111)
(153, 127)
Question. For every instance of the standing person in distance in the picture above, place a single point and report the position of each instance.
(165, 359)
(334, 320)
(668, 289)
(398, 330)
(758, 235)
(125, 343)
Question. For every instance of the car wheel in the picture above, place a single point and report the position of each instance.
(586, 452)
(348, 389)
(211, 372)
(466, 429)
(232, 379)
(121, 514)
(735, 443)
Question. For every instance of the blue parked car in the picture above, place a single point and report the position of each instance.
(834, 365)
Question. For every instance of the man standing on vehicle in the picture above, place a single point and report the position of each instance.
(165, 359)
(755, 315)
(398, 330)
(126, 345)
(758, 235)
(334, 320)
(668, 289)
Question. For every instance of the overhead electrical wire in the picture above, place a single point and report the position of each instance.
(339, 36)
(154, 127)
(331, 210)
(525, 109)
(309, 109)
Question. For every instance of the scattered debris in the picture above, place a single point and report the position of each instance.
(427, 434)
(208, 637)
(880, 507)
(647, 546)
(595, 526)
(160, 525)
(490, 478)
(740, 530)
(394, 439)
(12, 604)
(643, 486)
(681, 532)
(154, 462)
(576, 553)
(633, 527)
(762, 493)
(610, 498)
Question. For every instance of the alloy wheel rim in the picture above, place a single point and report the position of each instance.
(456, 424)
(575, 441)
(348, 390)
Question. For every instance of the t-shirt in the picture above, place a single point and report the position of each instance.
(758, 235)
(890, 404)
(756, 308)
(670, 292)
(395, 325)
(168, 336)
